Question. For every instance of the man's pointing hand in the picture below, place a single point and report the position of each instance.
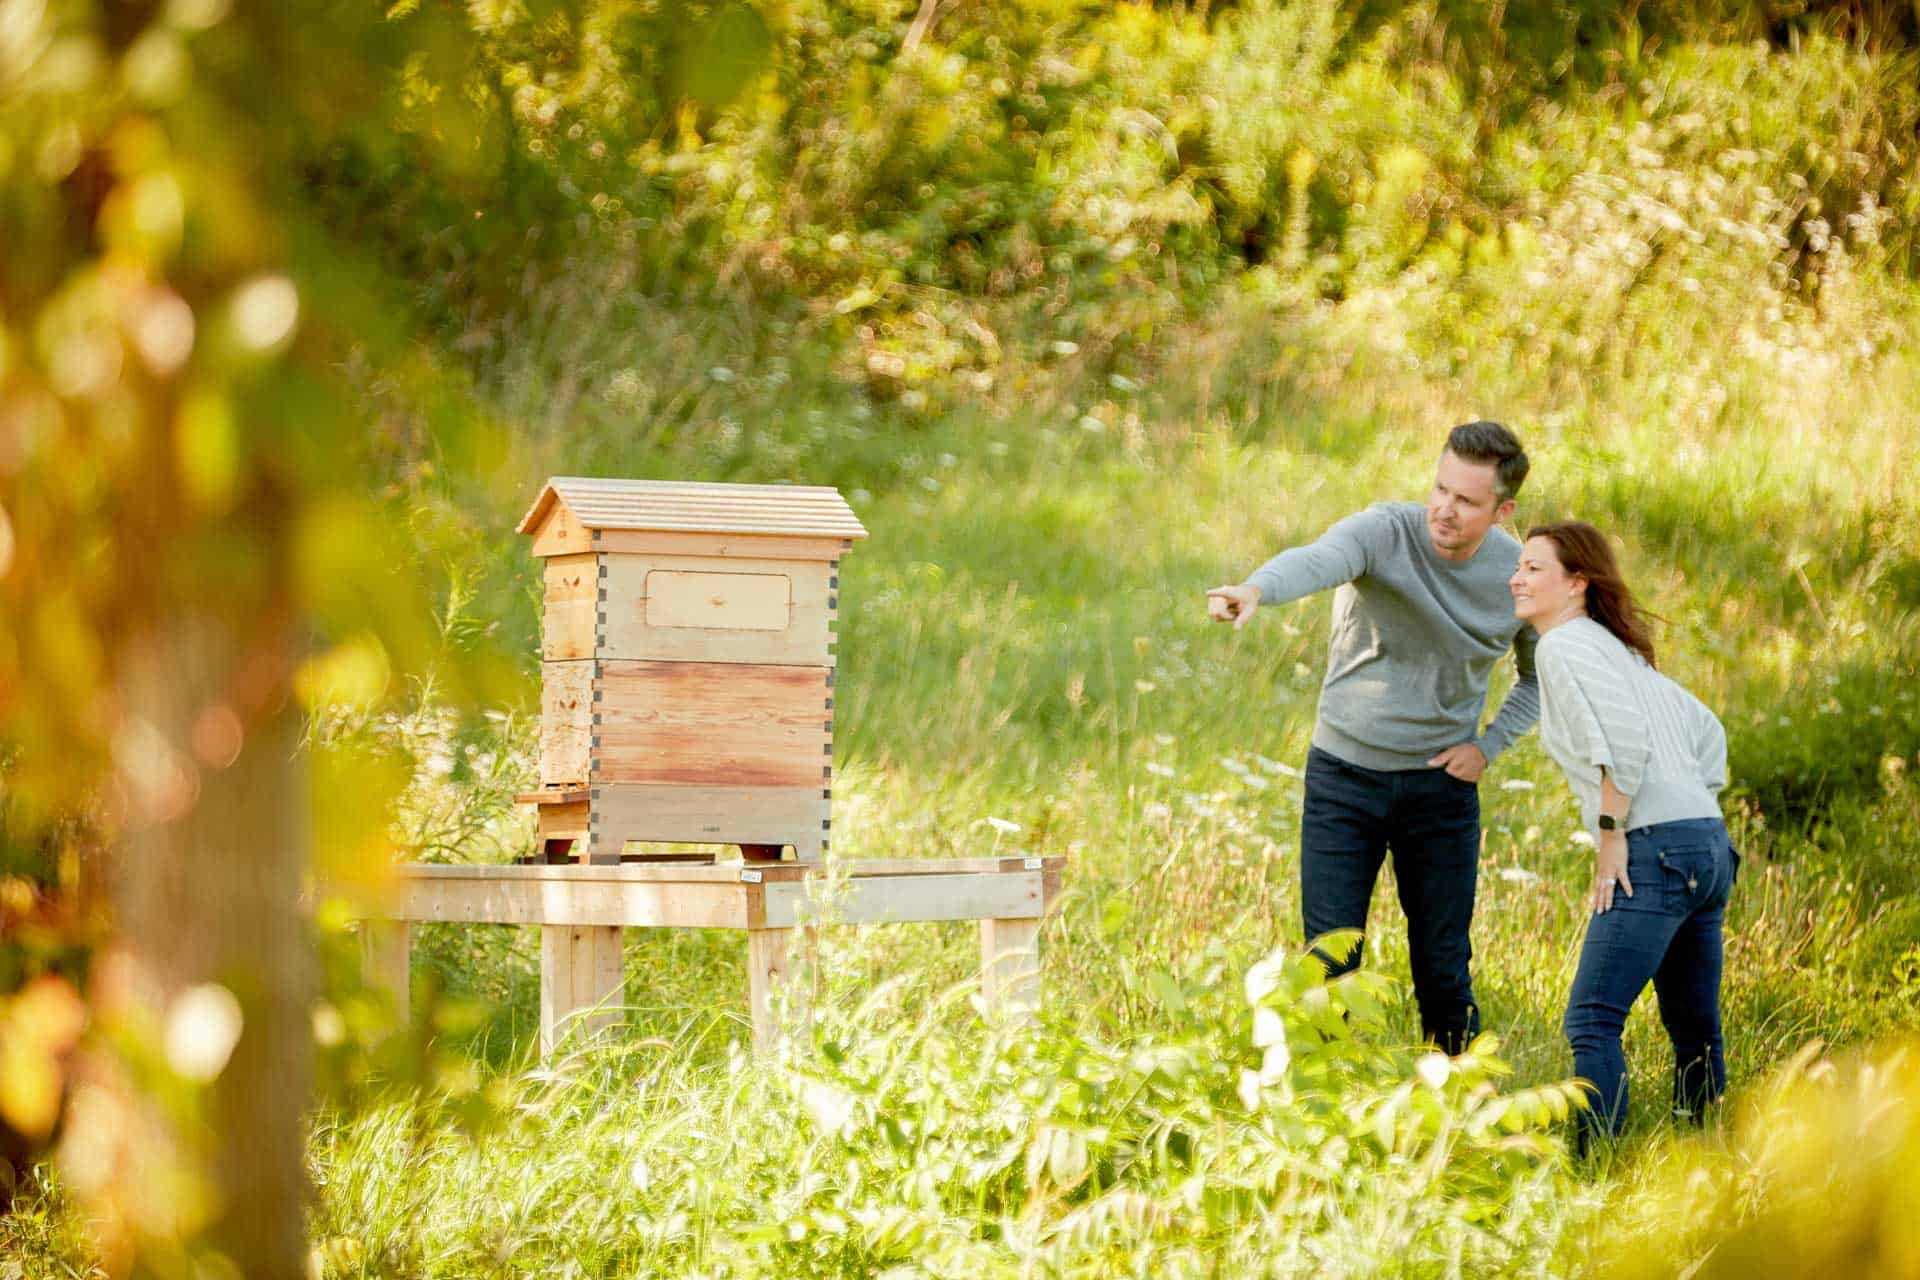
(1233, 604)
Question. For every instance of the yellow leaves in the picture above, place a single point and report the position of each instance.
(1300, 168)
(156, 69)
(68, 656)
(197, 15)
(354, 674)
(69, 64)
(263, 313)
(355, 788)
(159, 783)
(145, 217)
(161, 325)
(39, 1026)
(203, 1026)
(207, 450)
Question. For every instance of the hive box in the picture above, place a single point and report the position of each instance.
(687, 664)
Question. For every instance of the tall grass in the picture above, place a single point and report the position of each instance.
(1701, 361)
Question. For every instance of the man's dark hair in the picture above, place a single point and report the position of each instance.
(1490, 444)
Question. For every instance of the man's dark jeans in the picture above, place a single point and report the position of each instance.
(1667, 933)
(1431, 822)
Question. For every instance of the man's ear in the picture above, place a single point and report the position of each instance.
(1504, 512)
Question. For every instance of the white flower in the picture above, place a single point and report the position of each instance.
(1233, 766)
(1433, 1069)
(1257, 783)
(1274, 1063)
(830, 1107)
(1519, 875)
(1275, 766)
(1159, 770)
(1004, 827)
(1267, 1028)
(1516, 784)
(1250, 1089)
(1158, 812)
(1583, 838)
(1262, 978)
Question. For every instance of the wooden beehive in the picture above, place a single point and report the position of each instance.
(687, 663)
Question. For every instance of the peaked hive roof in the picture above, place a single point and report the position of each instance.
(780, 510)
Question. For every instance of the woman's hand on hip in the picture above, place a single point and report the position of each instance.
(1610, 870)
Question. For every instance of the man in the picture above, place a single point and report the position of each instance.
(1422, 613)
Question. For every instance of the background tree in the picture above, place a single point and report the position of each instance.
(188, 553)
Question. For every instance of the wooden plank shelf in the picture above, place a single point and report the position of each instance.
(582, 908)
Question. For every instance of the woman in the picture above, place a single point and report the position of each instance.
(1646, 760)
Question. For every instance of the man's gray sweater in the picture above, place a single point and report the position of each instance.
(1415, 636)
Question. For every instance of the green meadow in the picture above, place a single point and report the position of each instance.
(1214, 281)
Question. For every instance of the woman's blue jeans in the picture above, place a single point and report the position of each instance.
(1667, 933)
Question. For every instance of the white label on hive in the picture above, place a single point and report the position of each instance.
(719, 601)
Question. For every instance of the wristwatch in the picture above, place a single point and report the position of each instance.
(1609, 823)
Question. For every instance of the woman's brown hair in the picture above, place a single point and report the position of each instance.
(1585, 552)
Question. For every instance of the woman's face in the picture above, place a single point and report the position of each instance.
(1543, 590)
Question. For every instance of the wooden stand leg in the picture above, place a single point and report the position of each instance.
(384, 947)
(582, 977)
(771, 954)
(1010, 965)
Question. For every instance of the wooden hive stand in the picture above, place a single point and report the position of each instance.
(686, 665)
(687, 697)
(584, 908)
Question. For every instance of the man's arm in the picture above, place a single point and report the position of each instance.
(1519, 712)
(1520, 709)
(1339, 555)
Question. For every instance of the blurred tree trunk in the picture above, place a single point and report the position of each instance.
(210, 895)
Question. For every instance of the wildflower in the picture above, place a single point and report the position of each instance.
(1262, 978)
(1276, 766)
(1004, 827)
(1233, 766)
(1433, 1069)
(1516, 784)
(1274, 1063)
(1159, 770)
(1519, 875)
(830, 1107)
(1583, 838)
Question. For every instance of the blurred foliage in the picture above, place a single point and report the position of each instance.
(1817, 1179)
(915, 181)
(184, 515)
(1263, 1116)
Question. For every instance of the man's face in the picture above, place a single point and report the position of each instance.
(1463, 506)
